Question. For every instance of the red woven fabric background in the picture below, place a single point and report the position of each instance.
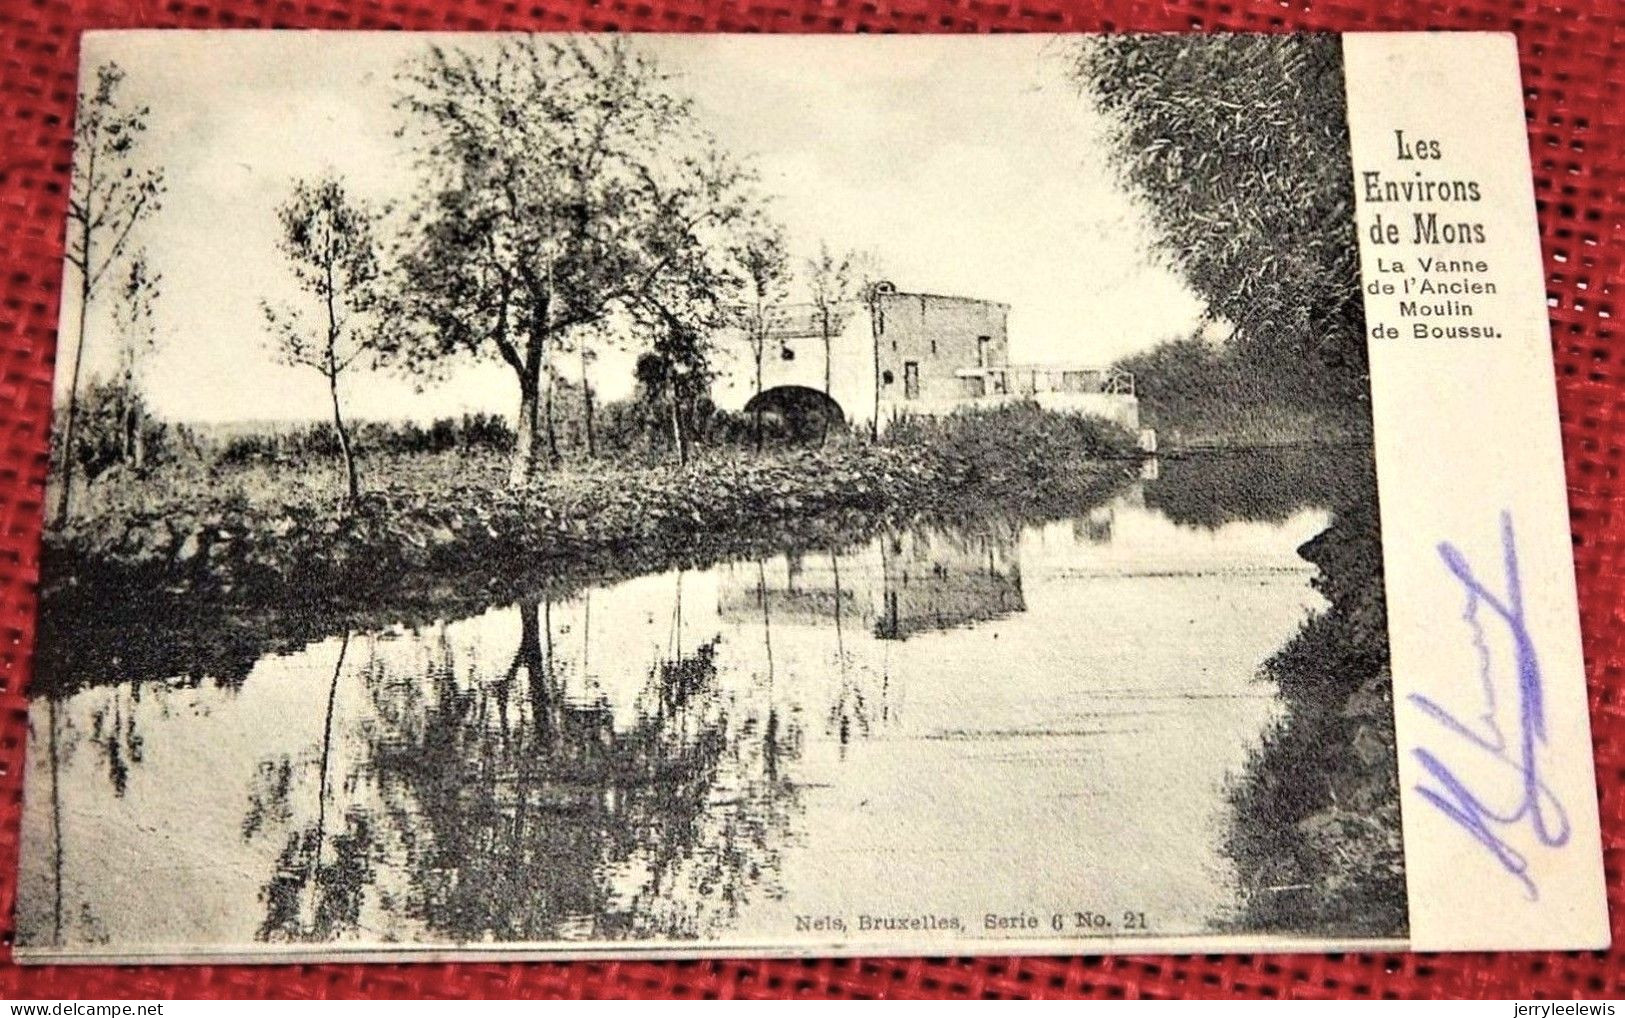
(1575, 100)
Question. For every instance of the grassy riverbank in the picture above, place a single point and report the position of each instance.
(225, 544)
(1316, 836)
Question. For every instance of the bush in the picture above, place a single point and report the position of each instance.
(113, 429)
(1019, 441)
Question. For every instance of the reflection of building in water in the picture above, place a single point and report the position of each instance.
(902, 583)
(939, 579)
(1098, 525)
(800, 589)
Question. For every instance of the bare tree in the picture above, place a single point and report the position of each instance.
(831, 284)
(535, 216)
(330, 242)
(765, 270)
(138, 337)
(111, 194)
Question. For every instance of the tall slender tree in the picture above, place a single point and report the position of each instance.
(588, 356)
(765, 272)
(831, 286)
(138, 338)
(112, 193)
(330, 240)
(869, 274)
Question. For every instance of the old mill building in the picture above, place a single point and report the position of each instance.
(906, 353)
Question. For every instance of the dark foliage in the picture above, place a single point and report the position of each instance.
(1317, 835)
(1239, 146)
(113, 423)
(1018, 444)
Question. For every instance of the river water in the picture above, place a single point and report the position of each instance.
(942, 724)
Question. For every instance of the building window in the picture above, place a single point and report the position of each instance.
(911, 379)
(982, 343)
(887, 378)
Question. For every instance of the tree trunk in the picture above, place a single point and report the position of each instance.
(524, 447)
(56, 820)
(352, 485)
(126, 414)
(351, 481)
(827, 356)
(679, 442)
(553, 457)
(874, 336)
(756, 422)
(131, 428)
(586, 401)
(823, 432)
(68, 436)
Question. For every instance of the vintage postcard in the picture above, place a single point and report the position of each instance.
(550, 496)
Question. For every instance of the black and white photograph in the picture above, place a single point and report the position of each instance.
(569, 495)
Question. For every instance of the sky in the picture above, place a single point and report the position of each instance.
(967, 165)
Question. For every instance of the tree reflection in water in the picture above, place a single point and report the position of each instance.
(113, 731)
(316, 891)
(524, 814)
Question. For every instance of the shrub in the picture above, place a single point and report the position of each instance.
(1016, 441)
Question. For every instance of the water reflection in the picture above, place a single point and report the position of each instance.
(909, 723)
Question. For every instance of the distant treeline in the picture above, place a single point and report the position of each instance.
(116, 431)
(111, 434)
(489, 432)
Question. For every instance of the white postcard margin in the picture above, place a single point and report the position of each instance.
(1502, 845)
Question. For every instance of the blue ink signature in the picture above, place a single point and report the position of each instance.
(1536, 805)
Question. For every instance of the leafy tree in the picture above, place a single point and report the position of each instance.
(765, 274)
(111, 194)
(329, 238)
(535, 216)
(1239, 147)
(696, 206)
(102, 442)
